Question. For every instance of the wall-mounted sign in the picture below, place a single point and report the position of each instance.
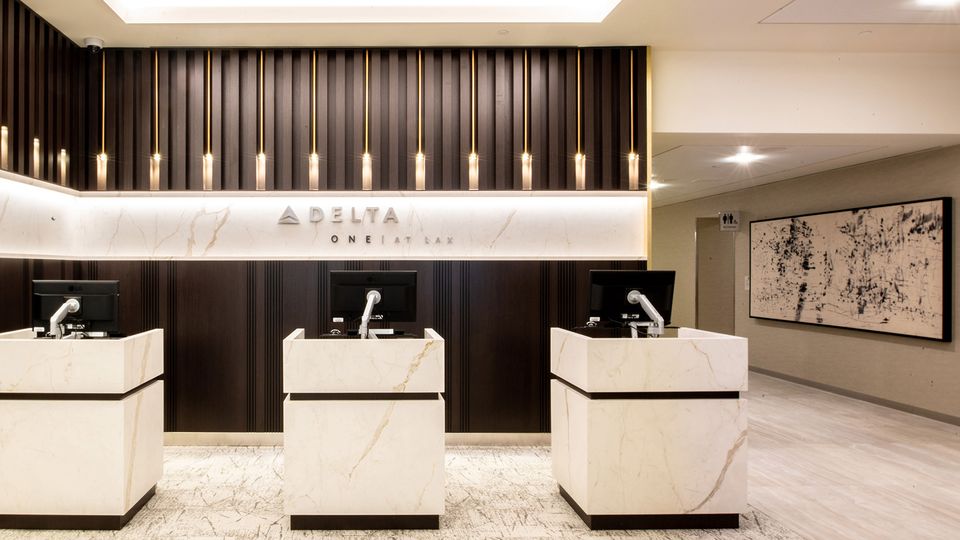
(729, 221)
(43, 221)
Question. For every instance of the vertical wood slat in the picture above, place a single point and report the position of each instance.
(339, 113)
(38, 93)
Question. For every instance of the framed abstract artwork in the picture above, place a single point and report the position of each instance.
(881, 269)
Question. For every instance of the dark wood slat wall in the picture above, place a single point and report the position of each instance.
(41, 73)
(224, 323)
(287, 130)
(51, 89)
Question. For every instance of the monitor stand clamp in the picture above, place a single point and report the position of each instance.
(655, 326)
(373, 298)
(70, 306)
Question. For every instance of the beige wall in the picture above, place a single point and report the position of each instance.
(805, 92)
(914, 374)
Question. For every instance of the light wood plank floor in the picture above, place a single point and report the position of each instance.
(832, 467)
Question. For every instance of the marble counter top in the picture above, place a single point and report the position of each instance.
(694, 361)
(363, 365)
(78, 366)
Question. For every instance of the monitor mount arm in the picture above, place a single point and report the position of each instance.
(373, 298)
(70, 306)
(655, 326)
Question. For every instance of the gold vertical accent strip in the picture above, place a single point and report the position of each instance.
(156, 102)
(473, 101)
(648, 153)
(260, 103)
(632, 99)
(526, 103)
(209, 100)
(103, 102)
(313, 107)
(366, 102)
(420, 101)
(579, 103)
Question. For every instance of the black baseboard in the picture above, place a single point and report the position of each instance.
(72, 522)
(362, 523)
(652, 521)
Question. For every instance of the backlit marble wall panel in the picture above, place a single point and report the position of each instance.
(43, 221)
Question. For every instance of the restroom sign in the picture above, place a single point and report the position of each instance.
(729, 221)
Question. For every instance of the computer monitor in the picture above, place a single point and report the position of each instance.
(398, 294)
(99, 305)
(610, 290)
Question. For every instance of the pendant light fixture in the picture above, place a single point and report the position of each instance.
(420, 166)
(473, 161)
(208, 146)
(313, 180)
(261, 156)
(633, 159)
(63, 166)
(526, 160)
(4, 147)
(579, 160)
(102, 156)
(155, 158)
(366, 171)
(36, 166)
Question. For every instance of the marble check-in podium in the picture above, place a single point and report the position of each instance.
(81, 429)
(650, 433)
(363, 432)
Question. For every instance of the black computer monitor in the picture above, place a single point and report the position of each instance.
(99, 305)
(398, 294)
(609, 290)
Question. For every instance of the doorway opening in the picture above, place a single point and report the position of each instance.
(716, 287)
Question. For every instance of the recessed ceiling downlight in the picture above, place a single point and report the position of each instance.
(745, 156)
(360, 11)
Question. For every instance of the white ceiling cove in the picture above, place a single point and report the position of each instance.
(360, 11)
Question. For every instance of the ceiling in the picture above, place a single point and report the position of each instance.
(688, 165)
(866, 12)
(692, 166)
(668, 24)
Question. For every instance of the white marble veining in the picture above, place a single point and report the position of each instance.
(694, 361)
(40, 221)
(363, 456)
(363, 365)
(115, 366)
(80, 457)
(650, 456)
(368, 457)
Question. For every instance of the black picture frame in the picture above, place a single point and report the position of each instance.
(946, 334)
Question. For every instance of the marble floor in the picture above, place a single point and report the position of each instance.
(821, 466)
(832, 467)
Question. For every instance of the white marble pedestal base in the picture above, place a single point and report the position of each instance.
(79, 464)
(650, 463)
(364, 464)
